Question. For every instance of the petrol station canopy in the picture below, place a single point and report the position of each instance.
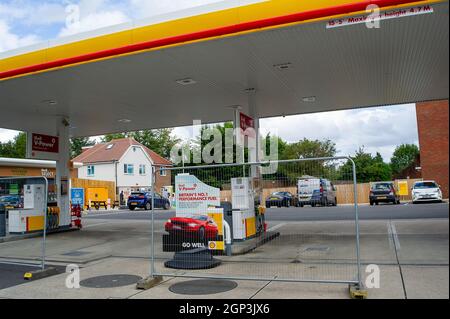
(199, 65)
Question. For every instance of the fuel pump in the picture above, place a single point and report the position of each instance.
(31, 217)
(247, 215)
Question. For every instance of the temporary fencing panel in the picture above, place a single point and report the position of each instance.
(231, 224)
(25, 203)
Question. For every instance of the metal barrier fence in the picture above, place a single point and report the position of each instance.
(266, 221)
(24, 213)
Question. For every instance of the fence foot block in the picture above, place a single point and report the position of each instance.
(149, 282)
(357, 292)
(39, 274)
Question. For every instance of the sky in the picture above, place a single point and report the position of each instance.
(27, 22)
(377, 129)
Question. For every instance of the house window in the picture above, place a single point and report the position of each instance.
(162, 171)
(128, 169)
(142, 169)
(91, 170)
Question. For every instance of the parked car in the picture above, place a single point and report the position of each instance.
(144, 200)
(11, 201)
(383, 192)
(426, 191)
(280, 199)
(199, 226)
(316, 191)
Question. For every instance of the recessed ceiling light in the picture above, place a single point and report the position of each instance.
(124, 121)
(187, 81)
(309, 99)
(283, 66)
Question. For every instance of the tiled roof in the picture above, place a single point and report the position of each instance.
(103, 153)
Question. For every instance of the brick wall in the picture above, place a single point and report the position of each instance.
(432, 120)
(162, 180)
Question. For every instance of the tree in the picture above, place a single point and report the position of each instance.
(114, 136)
(206, 146)
(268, 140)
(305, 148)
(368, 168)
(160, 141)
(77, 144)
(309, 149)
(15, 148)
(404, 155)
(213, 135)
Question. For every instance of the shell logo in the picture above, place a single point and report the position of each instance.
(212, 245)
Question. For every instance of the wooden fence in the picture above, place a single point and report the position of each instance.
(87, 183)
(345, 193)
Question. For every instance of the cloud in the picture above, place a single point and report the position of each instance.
(94, 21)
(92, 15)
(378, 129)
(50, 17)
(10, 41)
(148, 8)
(32, 13)
(45, 14)
(12, 11)
(7, 135)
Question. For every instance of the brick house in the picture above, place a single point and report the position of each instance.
(432, 121)
(125, 162)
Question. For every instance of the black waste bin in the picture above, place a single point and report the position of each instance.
(2, 220)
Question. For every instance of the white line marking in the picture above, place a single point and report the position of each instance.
(391, 242)
(396, 240)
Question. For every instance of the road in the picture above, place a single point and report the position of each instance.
(381, 212)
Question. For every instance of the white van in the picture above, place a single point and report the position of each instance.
(316, 191)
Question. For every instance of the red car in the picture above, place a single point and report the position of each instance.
(200, 225)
